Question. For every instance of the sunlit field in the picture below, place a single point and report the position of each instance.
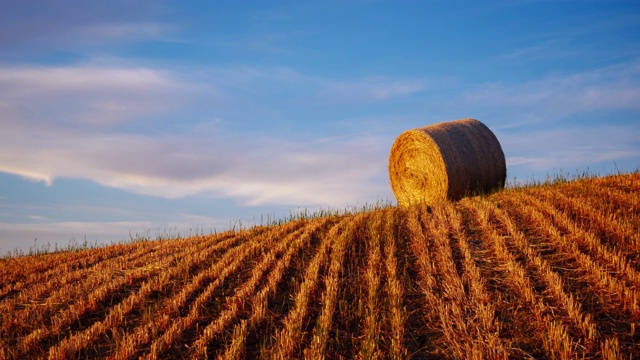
(540, 271)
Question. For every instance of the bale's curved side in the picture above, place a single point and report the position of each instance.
(445, 161)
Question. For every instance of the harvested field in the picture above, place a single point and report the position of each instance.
(545, 272)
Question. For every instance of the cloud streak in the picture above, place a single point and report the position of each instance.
(615, 87)
(74, 233)
(42, 25)
(575, 148)
(256, 171)
(283, 80)
(64, 122)
(371, 89)
(90, 95)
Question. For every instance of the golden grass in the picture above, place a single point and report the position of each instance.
(445, 161)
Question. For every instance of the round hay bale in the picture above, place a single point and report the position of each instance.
(445, 161)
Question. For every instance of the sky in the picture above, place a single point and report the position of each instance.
(122, 119)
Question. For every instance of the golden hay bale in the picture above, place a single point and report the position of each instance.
(445, 161)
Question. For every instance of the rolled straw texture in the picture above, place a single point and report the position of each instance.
(445, 161)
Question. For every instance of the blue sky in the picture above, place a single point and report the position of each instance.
(147, 117)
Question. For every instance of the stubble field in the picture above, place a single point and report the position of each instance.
(548, 271)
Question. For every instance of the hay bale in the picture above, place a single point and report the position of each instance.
(445, 161)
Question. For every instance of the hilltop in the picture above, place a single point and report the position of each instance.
(545, 271)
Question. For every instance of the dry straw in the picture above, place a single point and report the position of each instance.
(445, 161)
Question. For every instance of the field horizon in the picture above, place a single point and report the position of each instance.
(542, 270)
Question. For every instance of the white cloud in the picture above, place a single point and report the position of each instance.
(62, 122)
(86, 94)
(80, 78)
(259, 171)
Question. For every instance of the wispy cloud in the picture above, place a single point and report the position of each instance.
(62, 234)
(370, 89)
(121, 31)
(615, 87)
(48, 234)
(54, 112)
(577, 147)
(86, 94)
(256, 171)
(578, 39)
(74, 25)
(323, 90)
